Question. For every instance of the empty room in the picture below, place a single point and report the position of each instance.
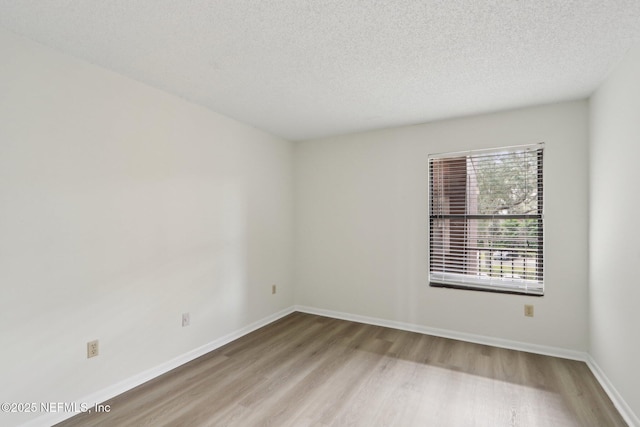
(319, 213)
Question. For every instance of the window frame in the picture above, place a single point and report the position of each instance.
(456, 280)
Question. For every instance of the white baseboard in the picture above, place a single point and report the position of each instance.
(141, 378)
(444, 333)
(621, 405)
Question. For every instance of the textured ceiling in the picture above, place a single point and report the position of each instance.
(307, 69)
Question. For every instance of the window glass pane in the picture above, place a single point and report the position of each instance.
(486, 222)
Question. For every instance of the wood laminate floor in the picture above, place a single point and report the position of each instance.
(307, 370)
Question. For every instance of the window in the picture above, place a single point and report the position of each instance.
(486, 220)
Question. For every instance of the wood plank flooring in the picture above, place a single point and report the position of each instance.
(307, 370)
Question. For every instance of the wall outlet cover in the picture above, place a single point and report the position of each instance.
(186, 319)
(93, 349)
(528, 310)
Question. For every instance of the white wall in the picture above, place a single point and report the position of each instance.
(362, 226)
(122, 207)
(614, 236)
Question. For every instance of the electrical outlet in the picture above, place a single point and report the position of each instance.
(273, 289)
(528, 310)
(93, 349)
(186, 319)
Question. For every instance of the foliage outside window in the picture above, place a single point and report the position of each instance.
(486, 220)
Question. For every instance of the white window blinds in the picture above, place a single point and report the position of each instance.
(486, 220)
